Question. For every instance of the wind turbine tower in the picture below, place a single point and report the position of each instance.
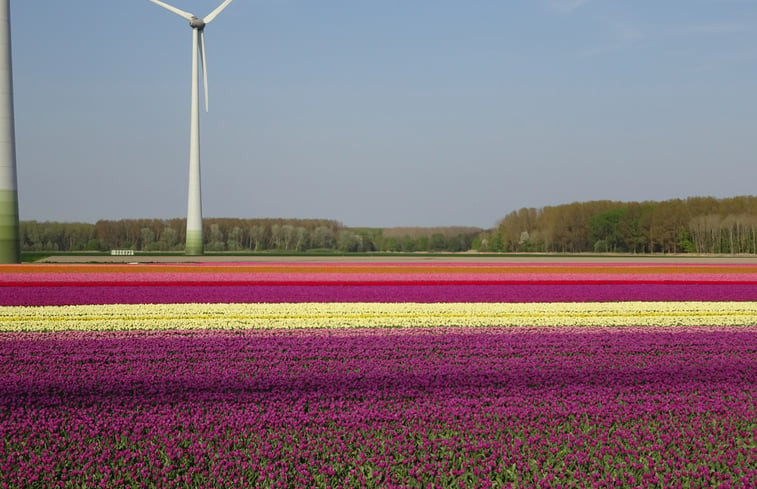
(10, 247)
(194, 244)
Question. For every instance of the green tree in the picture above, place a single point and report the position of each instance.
(147, 238)
(438, 242)
(235, 241)
(302, 239)
(606, 227)
(169, 239)
(216, 241)
(323, 237)
(347, 241)
(257, 237)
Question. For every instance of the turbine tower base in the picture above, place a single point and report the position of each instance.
(10, 250)
(194, 245)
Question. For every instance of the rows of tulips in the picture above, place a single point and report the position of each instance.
(443, 375)
(406, 283)
(374, 293)
(365, 315)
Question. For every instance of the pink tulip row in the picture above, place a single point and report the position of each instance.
(459, 407)
(372, 282)
(371, 277)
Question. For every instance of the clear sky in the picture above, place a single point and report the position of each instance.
(383, 112)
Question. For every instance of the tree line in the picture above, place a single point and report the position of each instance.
(240, 235)
(692, 225)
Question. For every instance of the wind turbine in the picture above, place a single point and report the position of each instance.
(10, 247)
(194, 244)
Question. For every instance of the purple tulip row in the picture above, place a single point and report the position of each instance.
(380, 408)
(138, 294)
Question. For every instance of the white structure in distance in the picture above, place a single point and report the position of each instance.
(194, 244)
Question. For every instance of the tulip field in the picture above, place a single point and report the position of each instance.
(364, 374)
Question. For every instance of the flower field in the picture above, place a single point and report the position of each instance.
(378, 375)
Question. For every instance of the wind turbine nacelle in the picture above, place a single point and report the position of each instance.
(196, 23)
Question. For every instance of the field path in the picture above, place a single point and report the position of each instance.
(420, 257)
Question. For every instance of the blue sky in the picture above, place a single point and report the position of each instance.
(383, 113)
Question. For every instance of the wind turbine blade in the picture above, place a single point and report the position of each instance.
(204, 68)
(212, 15)
(173, 9)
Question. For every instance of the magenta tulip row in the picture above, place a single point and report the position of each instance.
(380, 408)
(187, 293)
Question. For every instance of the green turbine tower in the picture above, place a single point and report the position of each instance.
(10, 246)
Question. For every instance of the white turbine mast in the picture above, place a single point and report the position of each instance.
(10, 245)
(194, 244)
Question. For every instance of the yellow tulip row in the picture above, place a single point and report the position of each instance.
(372, 315)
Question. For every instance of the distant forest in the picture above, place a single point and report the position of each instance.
(692, 225)
(241, 235)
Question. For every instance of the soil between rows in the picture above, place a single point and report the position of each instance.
(420, 257)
